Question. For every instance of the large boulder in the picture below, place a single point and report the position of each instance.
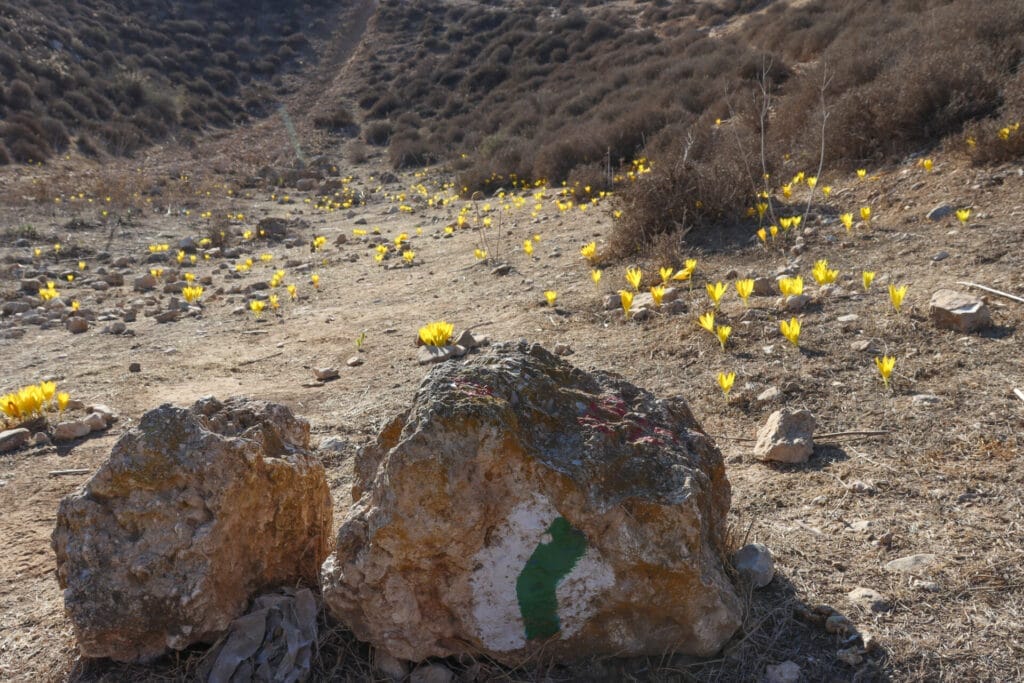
(523, 507)
(196, 510)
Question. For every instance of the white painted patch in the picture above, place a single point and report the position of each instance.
(495, 605)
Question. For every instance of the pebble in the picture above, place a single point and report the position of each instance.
(941, 256)
(95, 422)
(354, 362)
(432, 673)
(754, 562)
(134, 367)
(930, 586)
(851, 656)
(563, 349)
(837, 623)
(848, 318)
(869, 599)
(769, 395)
(911, 564)
(77, 325)
(925, 400)
(786, 672)
(940, 212)
(325, 374)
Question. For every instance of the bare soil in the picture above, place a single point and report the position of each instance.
(945, 479)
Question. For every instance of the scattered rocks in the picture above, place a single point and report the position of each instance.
(76, 324)
(868, 599)
(958, 311)
(325, 374)
(539, 508)
(13, 439)
(195, 510)
(787, 436)
(911, 564)
(754, 562)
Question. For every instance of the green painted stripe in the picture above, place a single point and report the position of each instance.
(547, 566)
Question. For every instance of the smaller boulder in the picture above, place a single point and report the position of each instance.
(754, 563)
(77, 325)
(868, 599)
(13, 439)
(958, 311)
(69, 431)
(940, 212)
(787, 436)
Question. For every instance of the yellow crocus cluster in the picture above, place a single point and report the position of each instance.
(30, 401)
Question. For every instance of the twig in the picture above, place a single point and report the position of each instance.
(257, 360)
(60, 473)
(992, 291)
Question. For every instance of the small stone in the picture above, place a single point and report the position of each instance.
(108, 415)
(796, 303)
(134, 367)
(392, 667)
(95, 422)
(861, 345)
(850, 656)
(765, 286)
(925, 400)
(354, 362)
(432, 673)
(167, 316)
(69, 431)
(334, 444)
(563, 349)
(466, 338)
(868, 599)
(930, 586)
(76, 325)
(941, 256)
(940, 212)
(787, 436)
(837, 623)
(952, 310)
(769, 395)
(848, 318)
(786, 672)
(503, 269)
(144, 283)
(754, 562)
(859, 486)
(13, 439)
(325, 374)
(426, 355)
(41, 439)
(911, 564)
(861, 525)
(117, 327)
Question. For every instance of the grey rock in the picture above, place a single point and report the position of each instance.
(754, 562)
(13, 439)
(510, 452)
(167, 316)
(14, 307)
(911, 564)
(95, 422)
(925, 400)
(958, 311)
(334, 444)
(769, 395)
(134, 367)
(432, 673)
(393, 668)
(76, 324)
(796, 303)
(144, 283)
(69, 431)
(117, 327)
(787, 436)
(868, 599)
(325, 374)
(940, 256)
(41, 439)
(563, 349)
(107, 413)
(425, 355)
(354, 361)
(848, 318)
(765, 286)
(940, 212)
(196, 510)
(786, 672)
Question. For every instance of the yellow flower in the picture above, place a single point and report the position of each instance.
(274, 303)
(62, 401)
(791, 286)
(762, 235)
(927, 164)
(824, 275)
(156, 272)
(861, 173)
(896, 295)
(725, 382)
(791, 330)
(707, 321)
(885, 366)
(744, 288)
(192, 294)
(318, 242)
(797, 220)
(480, 254)
(190, 277)
(315, 279)
(528, 247)
(683, 274)
(666, 274)
(773, 231)
(626, 299)
(865, 213)
(826, 190)
(716, 292)
(56, 247)
(70, 277)
(266, 258)
(812, 181)
(847, 219)
(722, 332)
(786, 223)
(37, 252)
(657, 293)
(257, 307)
(181, 256)
(595, 275)
(633, 277)
(436, 333)
(551, 295)
(867, 277)
(589, 251)
(358, 232)
(247, 235)
(81, 265)
(787, 190)
(409, 256)
(963, 214)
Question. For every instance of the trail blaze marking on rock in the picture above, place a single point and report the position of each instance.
(537, 583)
